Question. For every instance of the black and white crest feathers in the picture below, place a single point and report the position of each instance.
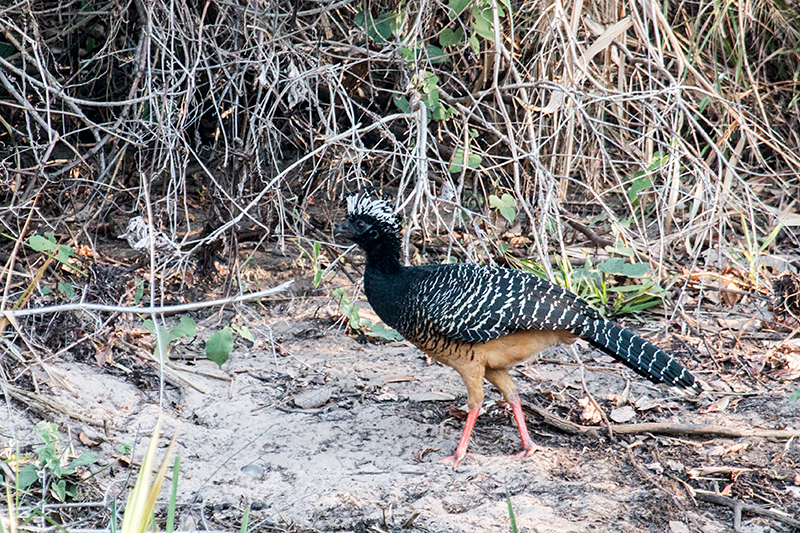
(362, 203)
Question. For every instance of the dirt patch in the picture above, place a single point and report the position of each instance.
(349, 463)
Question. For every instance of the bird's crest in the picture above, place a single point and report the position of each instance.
(362, 203)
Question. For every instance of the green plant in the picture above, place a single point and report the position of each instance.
(751, 250)
(642, 180)
(137, 296)
(52, 470)
(426, 84)
(60, 252)
(481, 21)
(142, 499)
(48, 246)
(350, 311)
(314, 256)
(591, 282)
(505, 205)
(185, 328)
(218, 346)
(511, 513)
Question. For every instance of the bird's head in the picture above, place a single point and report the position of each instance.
(370, 221)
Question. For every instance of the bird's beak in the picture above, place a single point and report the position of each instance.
(344, 230)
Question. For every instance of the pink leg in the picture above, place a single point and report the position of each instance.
(528, 447)
(461, 450)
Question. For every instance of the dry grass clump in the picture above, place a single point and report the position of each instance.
(671, 129)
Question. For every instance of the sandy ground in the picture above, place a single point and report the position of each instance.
(346, 462)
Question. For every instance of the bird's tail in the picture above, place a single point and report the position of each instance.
(643, 357)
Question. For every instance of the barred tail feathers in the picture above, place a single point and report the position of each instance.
(643, 357)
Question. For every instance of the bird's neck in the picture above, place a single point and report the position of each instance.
(384, 257)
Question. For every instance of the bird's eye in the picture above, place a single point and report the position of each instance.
(360, 225)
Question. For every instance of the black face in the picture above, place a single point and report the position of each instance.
(357, 229)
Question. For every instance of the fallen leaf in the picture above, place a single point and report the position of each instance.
(103, 354)
(456, 412)
(590, 413)
(420, 454)
(718, 406)
(313, 398)
(730, 298)
(87, 441)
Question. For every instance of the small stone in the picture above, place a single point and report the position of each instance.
(254, 471)
(678, 527)
(623, 414)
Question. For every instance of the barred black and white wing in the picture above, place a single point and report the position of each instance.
(472, 303)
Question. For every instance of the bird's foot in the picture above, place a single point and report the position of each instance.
(529, 449)
(455, 458)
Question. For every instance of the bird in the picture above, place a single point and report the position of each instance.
(483, 320)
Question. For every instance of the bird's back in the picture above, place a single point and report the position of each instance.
(467, 303)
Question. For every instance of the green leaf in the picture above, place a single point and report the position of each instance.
(384, 27)
(429, 84)
(457, 7)
(185, 328)
(619, 249)
(381, 331)
(473, 161)
(408, 53)
(474, 43)
(244, 332)
(511, 517)
(636, 308)
(64, 253)
(149, 326)
(506, 205)
(449, 37)
(59, 489)
(219, 346)
(621, 267)
(28, 475)
(482, 21)
(431, 98)
(640, 182)
(659, 160)
(66, 289)
(137, 296)
(641, 289)
(436, 55)
(795, 396)
(402, 103)
(40, 244)
(88, 458)
(612, 266)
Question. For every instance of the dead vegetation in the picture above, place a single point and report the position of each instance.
(578, 140)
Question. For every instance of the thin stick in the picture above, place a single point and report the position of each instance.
(659, 428)
(83, 306)
(738, 506)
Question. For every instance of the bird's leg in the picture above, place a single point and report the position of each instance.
(499, 378)
(528, 447)
(461, 449)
